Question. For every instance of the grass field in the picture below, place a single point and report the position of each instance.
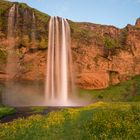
(4, 111)
(100, 121)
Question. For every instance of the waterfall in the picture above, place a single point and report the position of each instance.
(12, 60)
(11, 21)
(33, 33)
(59, 85)
(11, 57)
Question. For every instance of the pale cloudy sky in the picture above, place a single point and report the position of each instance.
(112, 12)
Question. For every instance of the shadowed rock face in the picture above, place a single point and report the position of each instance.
(102, 55)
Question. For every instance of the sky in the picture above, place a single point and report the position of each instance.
(110, 12)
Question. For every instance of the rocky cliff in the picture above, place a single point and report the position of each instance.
(102, 55)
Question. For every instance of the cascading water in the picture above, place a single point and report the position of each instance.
(11, 68)
(11, 57)
(59, 83)
(11, 21)
(33, 33)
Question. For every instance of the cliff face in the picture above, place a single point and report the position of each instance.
(30, 39)
(102, 55)
(106, 55)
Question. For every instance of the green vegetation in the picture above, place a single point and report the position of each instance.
(37, 109)
(123, 37)
(100, 121)
(125, 91)
(41, 21)
(4, 111)
(83, 35)
(43, 43)
(3, 56)
(4, 5)
(119, 42)
(41, 16)
(110, 42)
(24, 6)
(1, 11)
(1, 89)
(25, 19)
(25, 41)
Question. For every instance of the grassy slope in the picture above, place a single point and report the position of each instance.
(125, 91)
(4, 6)
(98, 121)
(4, 111)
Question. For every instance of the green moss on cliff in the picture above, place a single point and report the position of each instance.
(83, 35)
(25, 41)
(24, 6)
(43, 43)
(3, 56)
(41, 16)
(110, 42)
(4, 7)
(123, 37)
(24, 24)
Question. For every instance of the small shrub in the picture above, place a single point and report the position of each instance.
(100, 97)
(109, 42)
(43, 43)
(25, 41)
(3, 56)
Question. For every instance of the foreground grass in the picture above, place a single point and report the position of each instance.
(128, 91)
(4, 111)
(100, 121)
(37, 109)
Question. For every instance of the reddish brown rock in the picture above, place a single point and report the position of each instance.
(138, 22)
(3, 76)
(98, 67)
(96, 80)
